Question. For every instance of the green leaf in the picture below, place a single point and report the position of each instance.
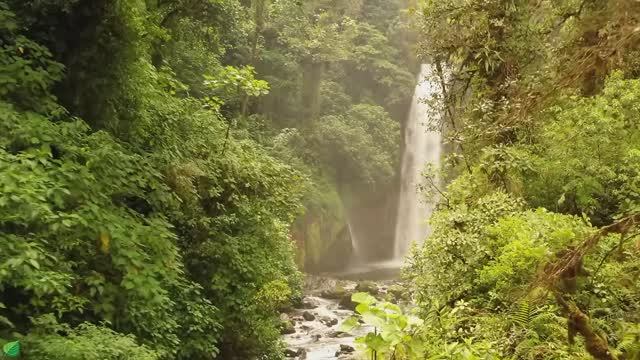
(363, 298)
(34, 263)
(349, 324)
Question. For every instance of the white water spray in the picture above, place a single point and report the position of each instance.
(421, 147)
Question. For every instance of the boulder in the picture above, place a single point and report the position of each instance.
(308, 304)
(299, 353)
(329, 321)
(346, 303)
(397, 293)
(336, 293)
(290, 353)
(338, 334)
(368, 287)
(287, 326)
(346, 348)
(308, 316)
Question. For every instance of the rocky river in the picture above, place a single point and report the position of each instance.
(312, 329)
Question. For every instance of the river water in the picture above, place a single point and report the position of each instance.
(319, 337)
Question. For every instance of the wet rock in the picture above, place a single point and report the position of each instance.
(288, 328)
(309, 304)
(368, 287)
(329, 321)
(286, 325)
(347, 357)
(306, 327)
(299, 353)
(290, 353)
(316, 337)
(346, 303)
(398, 293)
(336, 293)
(344, 349)
(308, 316)
(338, 334)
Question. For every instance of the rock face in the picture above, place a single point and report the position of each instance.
(308, 316)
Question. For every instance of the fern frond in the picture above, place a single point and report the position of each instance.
(522, 315)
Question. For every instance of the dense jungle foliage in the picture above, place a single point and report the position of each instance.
(160, 159)
(534, 251)
(154, 155)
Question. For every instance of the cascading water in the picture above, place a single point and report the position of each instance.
(421, 147)
(356, 257)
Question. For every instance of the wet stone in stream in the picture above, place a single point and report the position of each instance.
(308, 316)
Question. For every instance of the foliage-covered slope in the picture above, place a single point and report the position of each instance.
(149, 177)
(534, 251)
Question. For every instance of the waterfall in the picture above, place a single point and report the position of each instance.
(356, 257)
(421, 147)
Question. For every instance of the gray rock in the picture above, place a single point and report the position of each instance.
(329, 321)
(287, 326)
(368, 287)
(290, 353)
(338, 334)
(308, 316)
(309, 304)
(346, 348)
(335, 293)
(398, 293)
(298, 353)
(346, 303)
